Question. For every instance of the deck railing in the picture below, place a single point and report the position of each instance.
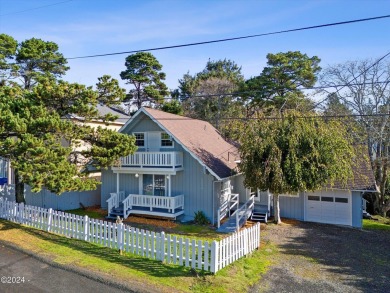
(245, 209)
(153, 159)
(151, 202)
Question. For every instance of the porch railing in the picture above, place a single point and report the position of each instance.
(151, 202)
(226, 207)
(114, 200)
(244, 210)
(153, 159)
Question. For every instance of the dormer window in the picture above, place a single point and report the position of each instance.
(139, 139)
(166, 140)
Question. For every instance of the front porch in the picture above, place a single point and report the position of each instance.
(138, 204)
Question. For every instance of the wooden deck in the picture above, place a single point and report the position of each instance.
(156, 212)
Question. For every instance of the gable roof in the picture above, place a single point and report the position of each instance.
(199, 138)
(363, 176)
(104, 110)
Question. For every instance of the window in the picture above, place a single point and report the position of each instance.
(327, 198)
(313, 197)
(341, 199)
(166, 140)
(153, 185)
(139, 139)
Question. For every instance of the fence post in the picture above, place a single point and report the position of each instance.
(214, 256)
(119, 228)
(15, 212)
(162, 247)
(21, 210)
(49, 219)
(86, 226)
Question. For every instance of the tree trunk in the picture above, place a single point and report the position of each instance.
(276, 209)
(19, 189)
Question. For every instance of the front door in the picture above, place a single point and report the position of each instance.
(153, 184)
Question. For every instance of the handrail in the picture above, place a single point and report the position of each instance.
(114, 200)
(111, 202)
(248, 206)
(226, 207)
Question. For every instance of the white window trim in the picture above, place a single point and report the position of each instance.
(143, 146)
(164, 146)
(141, 184)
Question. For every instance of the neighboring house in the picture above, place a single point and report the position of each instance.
(72, 200)
(5, 172)
(184, 165)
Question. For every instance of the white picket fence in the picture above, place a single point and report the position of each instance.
(197, 254)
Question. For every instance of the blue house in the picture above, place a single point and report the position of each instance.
(184, 165)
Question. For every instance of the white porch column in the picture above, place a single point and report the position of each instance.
(117, 184)
(169, 186)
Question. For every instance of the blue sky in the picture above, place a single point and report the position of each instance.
(85, 27)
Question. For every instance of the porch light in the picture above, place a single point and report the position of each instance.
(136, 175)
(168, 177)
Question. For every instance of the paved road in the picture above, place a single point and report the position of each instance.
(41, 277)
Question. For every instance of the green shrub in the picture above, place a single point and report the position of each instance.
(200, 218)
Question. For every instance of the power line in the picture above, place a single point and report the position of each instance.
(261, 118)
(356, 77)
(39, 7)
(235, 38)
(302, 88)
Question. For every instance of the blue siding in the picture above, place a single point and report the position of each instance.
(357, 213)
(292, 207)
(238, 187)
(64, 201)
(193, 182)
(127, 183)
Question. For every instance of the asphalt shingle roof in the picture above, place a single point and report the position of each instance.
(202, 139)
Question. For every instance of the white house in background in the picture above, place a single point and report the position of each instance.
(184, 165)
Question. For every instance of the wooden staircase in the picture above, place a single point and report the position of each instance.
(258, 216)
(116, 212)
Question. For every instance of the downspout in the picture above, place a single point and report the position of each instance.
(213, 193)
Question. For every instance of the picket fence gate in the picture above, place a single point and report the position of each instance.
(197, 254)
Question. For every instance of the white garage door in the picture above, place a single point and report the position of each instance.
(332, 207)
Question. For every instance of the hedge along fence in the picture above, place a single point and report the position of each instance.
(197, 254)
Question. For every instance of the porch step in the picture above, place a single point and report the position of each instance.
(259, 217)
(116, 212)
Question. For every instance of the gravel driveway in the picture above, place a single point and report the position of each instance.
(326, 258)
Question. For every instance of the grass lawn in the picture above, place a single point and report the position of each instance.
(131, 269)
(379, 223)
(92, 212)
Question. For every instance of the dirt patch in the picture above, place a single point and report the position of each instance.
(157, 224)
